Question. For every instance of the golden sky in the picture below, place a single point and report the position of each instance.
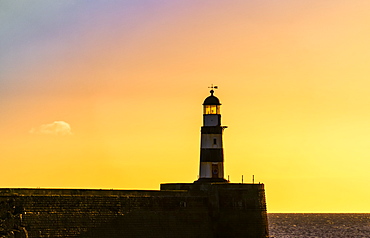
(109, 95)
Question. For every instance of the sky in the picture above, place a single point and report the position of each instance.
(108, 94)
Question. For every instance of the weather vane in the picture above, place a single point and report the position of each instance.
(213, 87)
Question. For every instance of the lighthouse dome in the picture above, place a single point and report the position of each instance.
(211, 100)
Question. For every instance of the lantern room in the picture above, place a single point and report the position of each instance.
(211, 111)
(211, 105)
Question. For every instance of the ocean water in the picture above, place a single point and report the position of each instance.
(319, 225)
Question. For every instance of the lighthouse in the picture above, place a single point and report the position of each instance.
(211, 167)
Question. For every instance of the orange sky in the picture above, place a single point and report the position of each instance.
(129, 78)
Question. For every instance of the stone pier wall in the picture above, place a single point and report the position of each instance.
(191, 211)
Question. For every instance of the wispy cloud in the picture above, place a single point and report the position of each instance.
(59, 128)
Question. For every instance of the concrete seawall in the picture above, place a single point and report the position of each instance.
(177, 210)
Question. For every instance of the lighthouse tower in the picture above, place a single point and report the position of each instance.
(211, 150)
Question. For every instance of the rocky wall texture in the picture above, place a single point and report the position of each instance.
(11, 219)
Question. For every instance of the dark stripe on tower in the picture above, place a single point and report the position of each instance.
(212, 155)
(211, 130)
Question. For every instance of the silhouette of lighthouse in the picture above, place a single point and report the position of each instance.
(211, 150)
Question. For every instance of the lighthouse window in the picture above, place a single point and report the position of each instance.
(214, 141)
(211, 109)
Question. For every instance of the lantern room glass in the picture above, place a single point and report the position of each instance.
(211, 109)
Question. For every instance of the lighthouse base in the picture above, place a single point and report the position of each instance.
(211, 180)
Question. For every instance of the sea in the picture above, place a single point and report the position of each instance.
(319, 225)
